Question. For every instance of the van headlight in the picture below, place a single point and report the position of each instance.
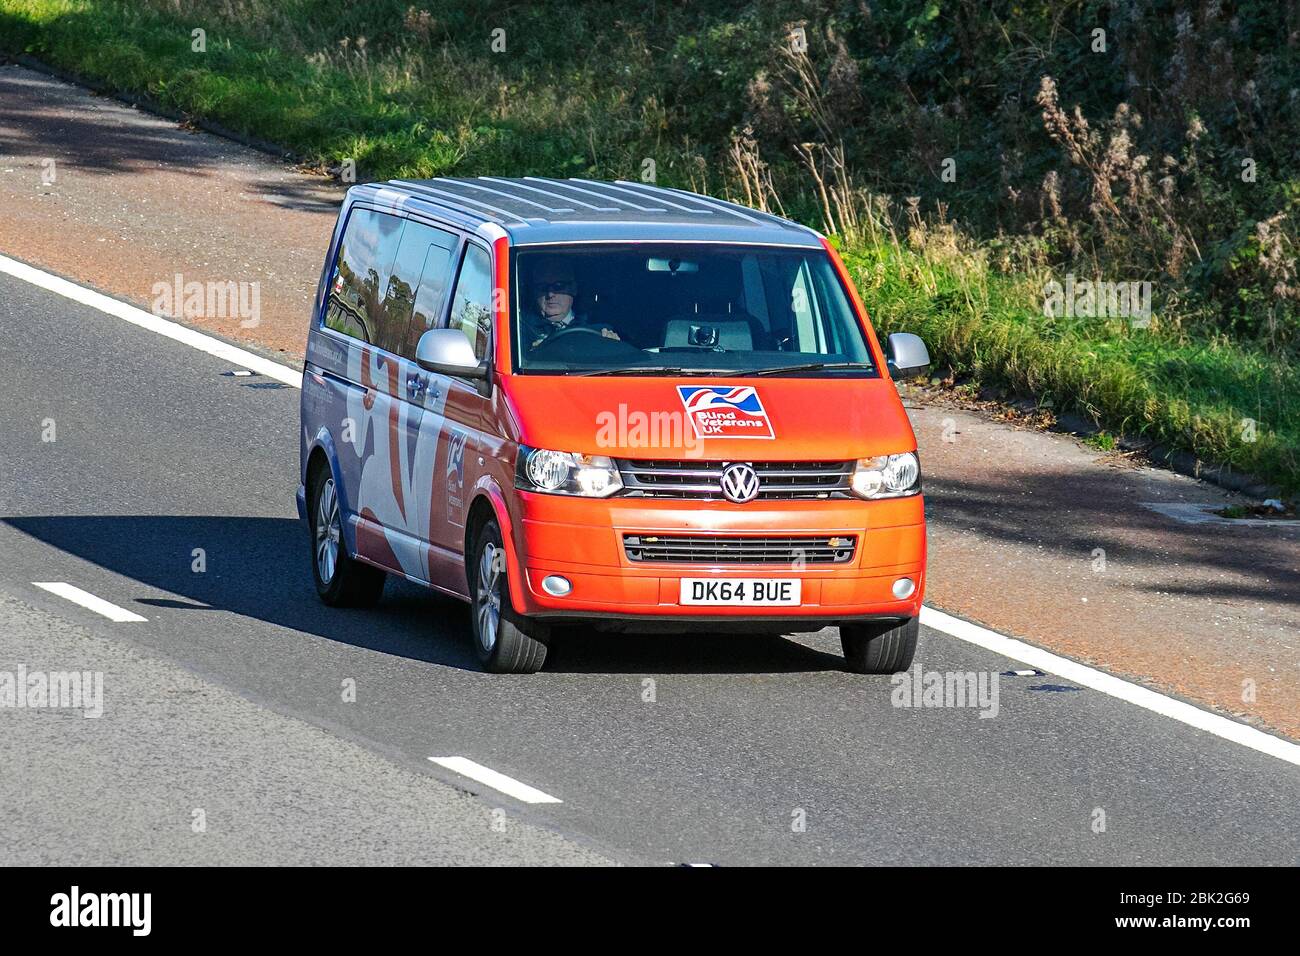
(887, 476)
(566, 473)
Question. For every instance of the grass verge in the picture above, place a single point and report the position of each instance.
(418, 112)
(1224, 403)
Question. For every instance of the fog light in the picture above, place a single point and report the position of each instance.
(903, 588)
(557, 586)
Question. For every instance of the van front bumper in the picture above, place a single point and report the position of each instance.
(582, 540)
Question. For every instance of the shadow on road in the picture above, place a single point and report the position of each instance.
(82, 139)
(41, 118)
(258, 568)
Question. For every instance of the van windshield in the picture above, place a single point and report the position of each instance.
(679, 309)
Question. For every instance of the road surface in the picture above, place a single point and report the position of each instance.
(231, 695)
(1032, 533)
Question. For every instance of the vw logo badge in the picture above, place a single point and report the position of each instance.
(739, 483)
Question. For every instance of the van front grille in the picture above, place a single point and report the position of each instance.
(703, 479)
(740, 549)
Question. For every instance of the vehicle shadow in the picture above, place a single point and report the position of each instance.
(586, 651)
(258, 568)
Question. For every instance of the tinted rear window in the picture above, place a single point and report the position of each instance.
(361, 273)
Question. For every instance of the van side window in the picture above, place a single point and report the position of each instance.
(471, 309)
(435, 280)
(423, 258)
(361, 275)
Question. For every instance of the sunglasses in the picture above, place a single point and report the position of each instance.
(546, 288)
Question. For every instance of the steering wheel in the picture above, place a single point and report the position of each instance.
(591, 346)
(571, 330)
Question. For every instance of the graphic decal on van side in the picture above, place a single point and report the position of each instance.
(397, 442)
(456, 474)
(725, 411)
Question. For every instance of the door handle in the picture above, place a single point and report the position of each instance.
(415, 386)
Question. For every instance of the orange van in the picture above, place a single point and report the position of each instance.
(607, 405)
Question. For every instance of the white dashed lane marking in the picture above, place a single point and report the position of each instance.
(89, 601)
(497, 781)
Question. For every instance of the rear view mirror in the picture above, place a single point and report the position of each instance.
(671, 265)
(448, 352)
(907, 355)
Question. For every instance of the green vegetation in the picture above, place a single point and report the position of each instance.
(1226, 400)
(1102, 441)
(963, 153)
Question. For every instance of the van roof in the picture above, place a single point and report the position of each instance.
(534, 210)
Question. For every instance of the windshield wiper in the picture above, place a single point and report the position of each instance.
(809, 367)
(659, 370)
(728, 372)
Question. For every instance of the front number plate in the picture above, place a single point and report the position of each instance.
(741, 592)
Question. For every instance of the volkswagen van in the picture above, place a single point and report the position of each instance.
(607, 405)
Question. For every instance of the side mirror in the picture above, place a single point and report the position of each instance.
(907, 355)
(448, 352)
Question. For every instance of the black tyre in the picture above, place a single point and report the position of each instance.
(506, 642)
(341, 581)
(879, 647)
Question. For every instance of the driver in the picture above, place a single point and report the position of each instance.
(553, 290)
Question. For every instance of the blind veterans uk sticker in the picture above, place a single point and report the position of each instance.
(725, 411)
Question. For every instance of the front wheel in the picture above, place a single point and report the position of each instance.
(879, 647)
(506, 642)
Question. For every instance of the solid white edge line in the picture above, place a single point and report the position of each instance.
(1112, 686)
(497, 781)
(1090, 677)
(89, 601)
(145, 320)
